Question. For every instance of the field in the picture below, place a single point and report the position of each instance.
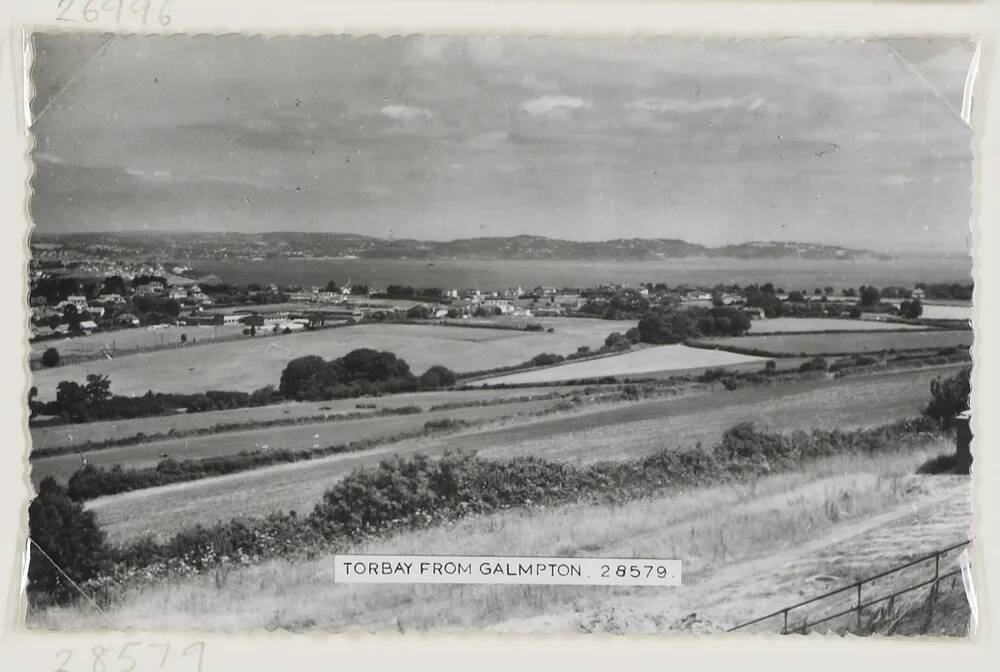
(792, 324)
(593, 433)
(246, 365)
(646, 360)
(827, 344)
(56, 436)
(747, 548)
(139, 338)
(294, 437)
(944, 311)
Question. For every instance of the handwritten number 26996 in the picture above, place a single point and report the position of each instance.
(121, 11)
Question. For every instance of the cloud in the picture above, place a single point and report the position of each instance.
(682, 106)
(405, 112)
(547, 104)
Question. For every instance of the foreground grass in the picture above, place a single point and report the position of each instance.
(708, 528)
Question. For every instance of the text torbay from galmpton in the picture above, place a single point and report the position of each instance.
(458, 567)
(500, 569)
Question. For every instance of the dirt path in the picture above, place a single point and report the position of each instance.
(938, 515)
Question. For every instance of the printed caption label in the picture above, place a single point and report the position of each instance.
(498, 570)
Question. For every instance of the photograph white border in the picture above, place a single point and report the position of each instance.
(32, 650)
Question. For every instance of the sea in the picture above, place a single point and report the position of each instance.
(787, 274)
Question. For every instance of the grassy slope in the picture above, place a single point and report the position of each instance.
(632, 428)
(716, 532)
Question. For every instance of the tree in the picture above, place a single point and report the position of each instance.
(331, 287)
(869, 295)
(303, 377)
(50, 357)
(911, 309)
(32, 406)
(184, 338)
(438, 376)
(70, 537)
(71, 400)
(949, 397)
(114, 284)
(796, 297)
(855, 311)
(419, 312)
(72, 316)
(98, 388)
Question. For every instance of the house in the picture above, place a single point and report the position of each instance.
(78, 302)
(115, 299)
(88, 326)
(917, 294)
(151, 288)
(755, 313)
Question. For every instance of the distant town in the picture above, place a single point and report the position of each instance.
(85, 288)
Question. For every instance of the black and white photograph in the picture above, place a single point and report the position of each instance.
(463, 334)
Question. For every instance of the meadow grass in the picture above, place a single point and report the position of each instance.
(246, 365)
(708, 528)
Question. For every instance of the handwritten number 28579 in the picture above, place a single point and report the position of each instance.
(123, 10)
(102, 659)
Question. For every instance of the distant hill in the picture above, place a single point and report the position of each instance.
(300, 244)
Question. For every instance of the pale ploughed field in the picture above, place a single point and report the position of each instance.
(651, 359)
(792, 324)
(838, 343)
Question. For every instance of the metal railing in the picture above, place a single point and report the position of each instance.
(860, 604)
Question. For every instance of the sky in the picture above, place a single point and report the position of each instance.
(853, 143)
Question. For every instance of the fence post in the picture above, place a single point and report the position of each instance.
(859, 606)
(784, 628)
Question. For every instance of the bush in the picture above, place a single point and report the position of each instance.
(437, 376)
(949, 397)
(71, 538)
(50, 357)
(814, 364)
(941, 464)
(546, 359)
